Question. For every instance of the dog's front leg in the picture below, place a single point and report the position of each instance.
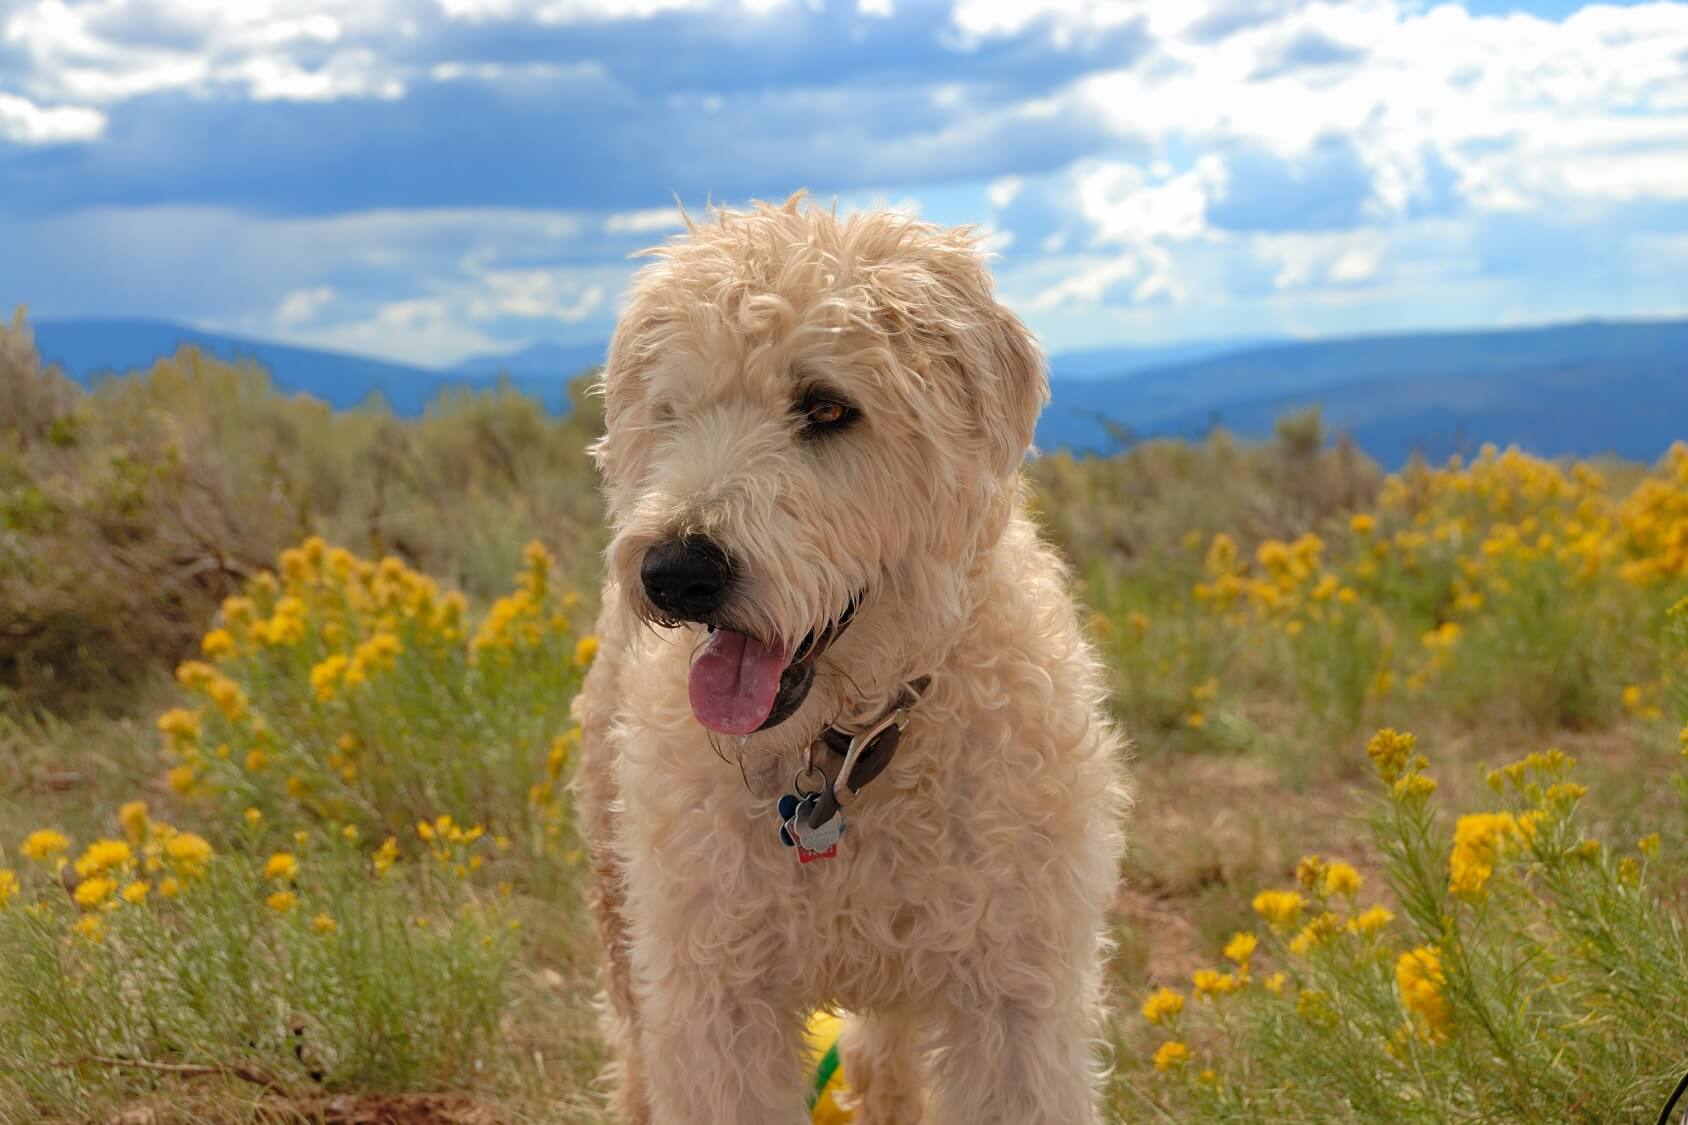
(717, 1051)
(1015, 1064)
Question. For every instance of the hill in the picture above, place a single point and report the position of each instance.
(1579, 389)
(1573, 389)
(87, 349)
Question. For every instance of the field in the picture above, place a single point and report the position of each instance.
(284, 747)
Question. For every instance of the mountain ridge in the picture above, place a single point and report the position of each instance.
(1573, 388)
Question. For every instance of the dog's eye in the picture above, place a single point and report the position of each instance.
(826, 413)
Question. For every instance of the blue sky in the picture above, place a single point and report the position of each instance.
(427, 180)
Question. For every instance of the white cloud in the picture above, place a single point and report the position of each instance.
(1085, 285)
(1126, 207)
(588, 11)
(1067, 20)
(25, 123)
(882, 9)
(1525, 111)
(309, 50)
(1003, 191)
(422, 330)
(1354, 264)
(644, 222)
(548, 294)
(302, 305)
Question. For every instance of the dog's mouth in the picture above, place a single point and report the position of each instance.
(739, 684)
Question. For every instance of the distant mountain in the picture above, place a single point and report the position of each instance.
(89, 348)
(1587, 388)
(1572, 389)
(1092, 363)
(543, 360)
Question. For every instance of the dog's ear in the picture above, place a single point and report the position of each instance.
(1003, 371)
(622, 451)
(1012, 392)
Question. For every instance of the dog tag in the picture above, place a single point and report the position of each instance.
(816, 837)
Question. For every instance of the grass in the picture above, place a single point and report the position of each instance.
(360, 710)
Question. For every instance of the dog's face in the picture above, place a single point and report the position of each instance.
(812, 427)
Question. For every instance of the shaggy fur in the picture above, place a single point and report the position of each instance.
(963, 922)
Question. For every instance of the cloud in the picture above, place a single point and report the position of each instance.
(302, 305)
(453, 173)
(644, 222)
(25, 123)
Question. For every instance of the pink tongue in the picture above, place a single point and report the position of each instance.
(733, 682)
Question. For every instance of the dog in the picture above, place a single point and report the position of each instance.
(844, 745)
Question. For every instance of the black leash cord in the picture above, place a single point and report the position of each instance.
(1664, 1114)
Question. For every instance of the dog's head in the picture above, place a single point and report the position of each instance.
(812, 423)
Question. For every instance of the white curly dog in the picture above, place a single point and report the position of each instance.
(844, 744)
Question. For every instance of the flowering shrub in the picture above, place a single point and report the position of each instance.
(1510, 583)
(345, 691)
(311, 968)
(1534, 973)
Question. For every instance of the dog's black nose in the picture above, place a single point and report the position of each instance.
(687, 579)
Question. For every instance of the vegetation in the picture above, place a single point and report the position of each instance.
(283, 828)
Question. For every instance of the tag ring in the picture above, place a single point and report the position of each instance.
(809, 771)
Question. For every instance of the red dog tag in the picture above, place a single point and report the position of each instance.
(804, 855)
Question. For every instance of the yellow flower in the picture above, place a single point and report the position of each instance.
(1390, 750)
(169, 887)
(1211, 983)
(1341, 879)
(1414, 785)
(324, 924)
(45, 843)
(281, 865)
(218, 642)
(179, 722)
(1171, 1054)
(1629, 871)
(1479, 840)
(105, 855)
(326, 675)
(136, 893)
(189, 853)
(1310, 871)
(586, 650)
(8, 885)
(282, 901)
(90, 928)
(252, 816)
(386, 855)
(1371, 921)
(180, 779)
(1195, 720)
(1278, 907)
(1314, 1006)
(350, 833)
(133, 818)
(92, 892)
(1162, 1005)
(1274, 984)
(1418, 974)
(1241, 947)
(1648, 845)
(1362, 524)
(1315, 932)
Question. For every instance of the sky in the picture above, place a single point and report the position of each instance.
(426, 180)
